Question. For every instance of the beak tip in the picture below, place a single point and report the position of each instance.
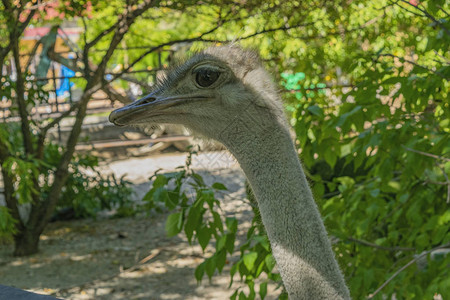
(112, 119)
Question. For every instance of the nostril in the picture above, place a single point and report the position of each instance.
(148, 100)
(144, 101)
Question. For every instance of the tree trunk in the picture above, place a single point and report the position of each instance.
(26, 242)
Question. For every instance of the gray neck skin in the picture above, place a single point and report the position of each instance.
(295, 229)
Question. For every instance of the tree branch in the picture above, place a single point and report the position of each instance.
(20, 94)
(136, 81)
(404, 8)
(404, 267)
(41, 214)
(114, 95)
(18, 31)
(69, 63)
(429, 16)
(284, 27)
(11, 201)
(426, 154)
(43, 131)
(31, 57)
(366, 243)
(414, 63)
(100, 36)
(156, 48)
(125, 21)
(201, 39)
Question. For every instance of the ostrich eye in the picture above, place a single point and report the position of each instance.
(206, 77)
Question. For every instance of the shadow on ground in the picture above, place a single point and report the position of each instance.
(103, 259)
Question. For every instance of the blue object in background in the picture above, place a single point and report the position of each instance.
(65, 83)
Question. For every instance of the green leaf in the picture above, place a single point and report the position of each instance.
(233, 297)
(174, 223)
(160, 181)
(160, 194)
(422, 241)
(199, 271)
(208, 196)
(315, 110)
(221, 260)
(217, 221)
(233, 271)
(270, 262)
(263, 241)
(229, 245)
(193, 221)
(330, 156)
(221, 242)
(172, 199)
(219, 186)
(374, 193)
(343, 118)
(210, 266)
(439, 234)
(203, 235)
(231, 224)
(198, 179)
(263, 290)
(242, 296)
(249, 260)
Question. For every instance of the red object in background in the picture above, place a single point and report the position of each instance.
(50, 9)
(38, 32)
(414, 2)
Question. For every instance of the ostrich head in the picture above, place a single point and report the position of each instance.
(225, 94)
(220, 93)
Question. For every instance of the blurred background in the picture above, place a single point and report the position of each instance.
(93, 211)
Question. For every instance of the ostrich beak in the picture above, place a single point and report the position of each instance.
(149, 106)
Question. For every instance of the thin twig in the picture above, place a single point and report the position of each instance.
(366, 243)
(43, 131)
(443, 10)
(328, 87)
(427, 154)
(413, 63)
(284, 27)
(446, 61)
(429, 16)
(59, 118)
(404, 267)
(200, 38)
(408, 10)
(436, 182)
(159, 47)
(32, 56)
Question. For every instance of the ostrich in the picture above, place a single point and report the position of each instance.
(225, 94)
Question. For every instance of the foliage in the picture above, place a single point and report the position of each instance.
(27, 173)
(196, 212)
(365, 91)
(86, 191)
(378, 158)
(7, 224)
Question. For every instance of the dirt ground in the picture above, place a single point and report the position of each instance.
(131, 258)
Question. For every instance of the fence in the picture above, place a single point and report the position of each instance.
(62, 93)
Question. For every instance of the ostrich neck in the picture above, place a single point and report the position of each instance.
(295, 229)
